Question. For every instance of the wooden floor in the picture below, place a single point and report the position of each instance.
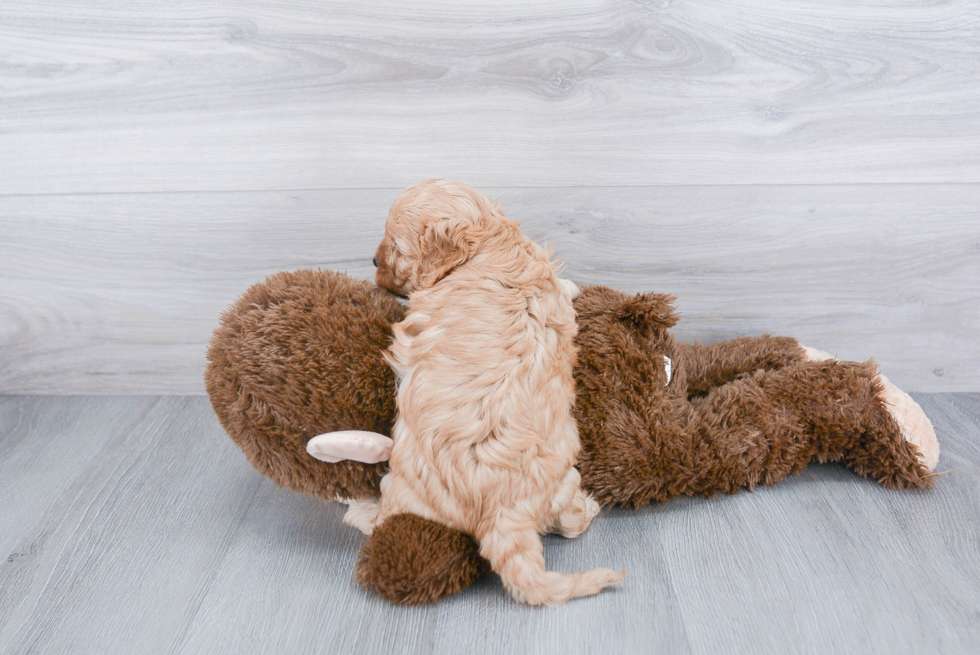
(134, 525)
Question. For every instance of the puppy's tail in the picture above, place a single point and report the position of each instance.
(516, 554)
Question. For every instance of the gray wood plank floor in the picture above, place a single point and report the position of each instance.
(133, 524)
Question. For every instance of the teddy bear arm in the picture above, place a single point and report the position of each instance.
(410, 560)
(709, 366)
(354, 445)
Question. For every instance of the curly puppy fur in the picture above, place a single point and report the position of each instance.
(485, 441)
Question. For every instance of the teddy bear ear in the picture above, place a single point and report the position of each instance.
(649, 310)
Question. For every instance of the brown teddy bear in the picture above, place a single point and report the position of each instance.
(301, 354)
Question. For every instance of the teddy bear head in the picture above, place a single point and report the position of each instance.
(301, 354)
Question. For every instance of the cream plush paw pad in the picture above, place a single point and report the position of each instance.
(913, 422)
(357, 445)
(814, 355)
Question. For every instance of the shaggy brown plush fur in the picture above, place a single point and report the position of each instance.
(290, 361)
(413, 561)
(735, 414)
(301, 354)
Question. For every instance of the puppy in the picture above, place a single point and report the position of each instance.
(484, 441)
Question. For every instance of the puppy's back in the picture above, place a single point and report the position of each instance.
(485, 425)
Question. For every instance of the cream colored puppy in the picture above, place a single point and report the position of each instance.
(484, 441)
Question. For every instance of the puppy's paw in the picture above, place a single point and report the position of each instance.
(915, 426)
(363, 515)
(591, 508)
(577, 517)
(571, 288)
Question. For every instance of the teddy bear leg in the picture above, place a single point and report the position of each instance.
(762, 428)
(895, 455)
(412, 561)
(708, 367)
(915, 426)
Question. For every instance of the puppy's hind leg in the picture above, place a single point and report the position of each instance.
(570, 287)
(363, 515)
(511, 543)
(572, 508)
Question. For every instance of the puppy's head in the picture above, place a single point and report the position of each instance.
(433, 227)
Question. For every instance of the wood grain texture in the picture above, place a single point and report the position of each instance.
(113, 564)
(164, 540)
(119, 293)
(45, 447)
(116, 96)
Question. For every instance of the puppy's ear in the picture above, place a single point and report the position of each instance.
(445, 244)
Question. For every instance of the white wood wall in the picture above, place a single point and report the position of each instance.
(802, 168)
